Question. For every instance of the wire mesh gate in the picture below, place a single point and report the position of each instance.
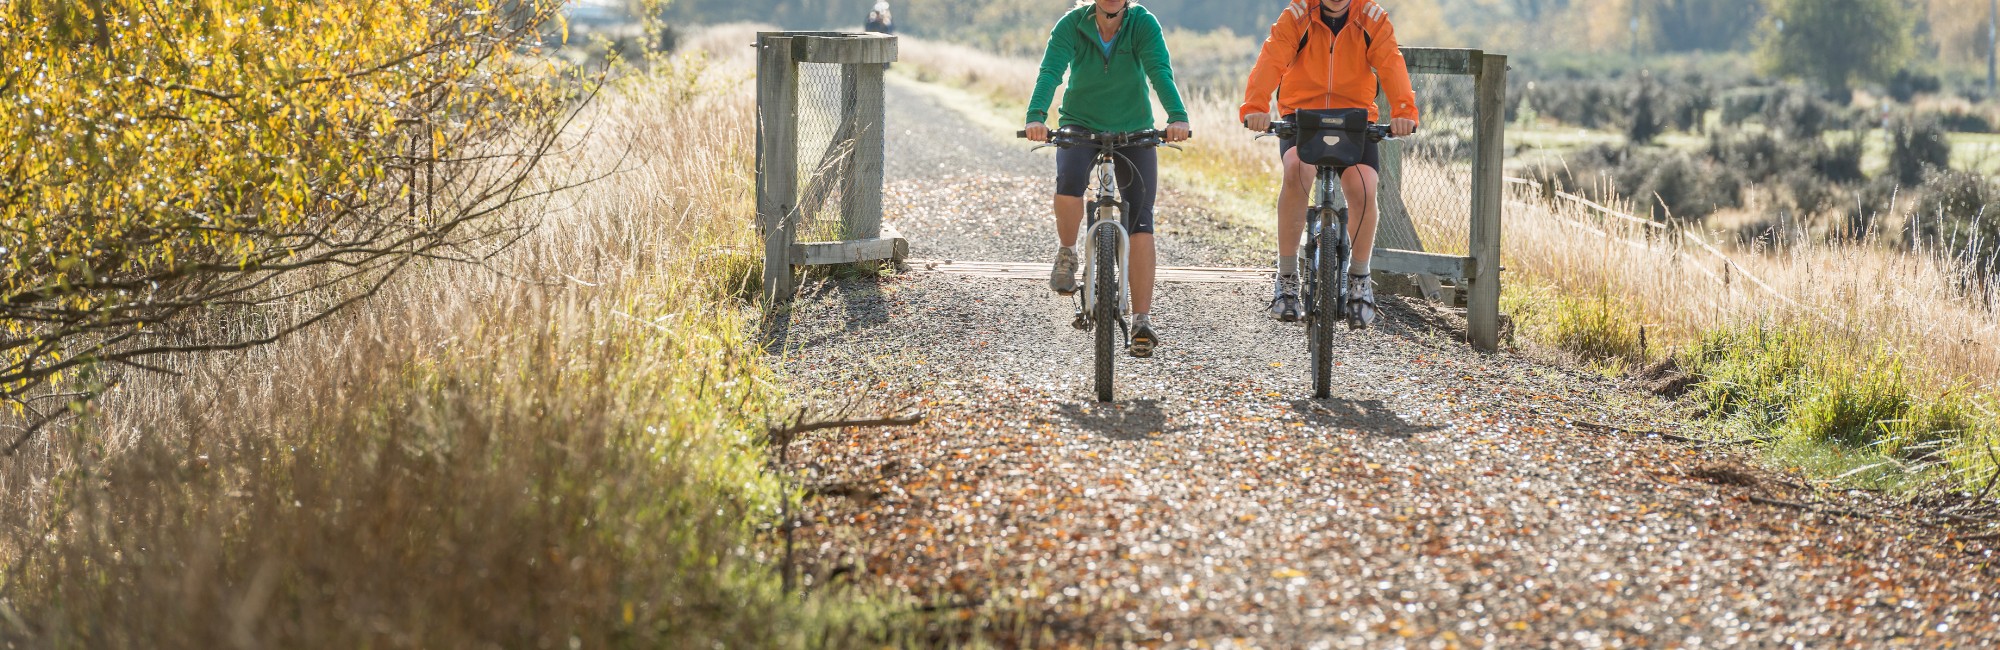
(819, 153)
(1451, 167)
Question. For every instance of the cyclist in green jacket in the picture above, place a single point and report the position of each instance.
(1111, 50)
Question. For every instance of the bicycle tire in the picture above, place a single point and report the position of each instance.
(1106, 261)
(1329, 300)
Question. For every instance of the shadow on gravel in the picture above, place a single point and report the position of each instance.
(1134, 420)
(1371, 417)
(825, 310)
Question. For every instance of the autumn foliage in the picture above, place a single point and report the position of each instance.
(188, 175)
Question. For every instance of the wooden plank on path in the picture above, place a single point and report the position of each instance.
(1040, 271)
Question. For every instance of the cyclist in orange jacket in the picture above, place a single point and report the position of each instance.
(1329, 54)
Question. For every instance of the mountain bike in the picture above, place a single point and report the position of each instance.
(1325, 257)
(1105, 297)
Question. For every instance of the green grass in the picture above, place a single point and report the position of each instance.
(1592, 324)
(1836, 410)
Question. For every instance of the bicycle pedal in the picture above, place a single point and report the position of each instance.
(1081, 322)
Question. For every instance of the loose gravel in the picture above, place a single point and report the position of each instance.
(1442, 498)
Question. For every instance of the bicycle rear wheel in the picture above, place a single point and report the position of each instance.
(1105, 260)
(1329, 300)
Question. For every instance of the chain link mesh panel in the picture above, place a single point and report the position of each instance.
(831, 149)
(1435, 175)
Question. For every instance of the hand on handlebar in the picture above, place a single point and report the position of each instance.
(1400, 127)
(1259, 122)
(1037, 132)
(1178, 131)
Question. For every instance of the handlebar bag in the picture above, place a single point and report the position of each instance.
(1332, 138)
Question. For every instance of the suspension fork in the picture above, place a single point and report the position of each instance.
(1107, 200)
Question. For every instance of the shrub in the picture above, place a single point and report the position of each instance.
(1798, 114)
(1906, 85)
(1959, 216)
(1678, 186)
(1839, 162)
(1965, 122)
(1690, 110)
(1643, 121)
(1809, 192)
(1917, 145)
(1738, 107)
(1756, 158)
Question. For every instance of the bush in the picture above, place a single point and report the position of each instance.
(1738, 107)
(1918, 145)
(1809, 192)
(1683, 189)
(1798, 114)
(1756, 158)
(1906, 85)
(1643, 121)
(1958, 215)
(1965, 122)
(1839, 162)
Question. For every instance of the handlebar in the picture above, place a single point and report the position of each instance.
(1289, 130)
(1072, 138)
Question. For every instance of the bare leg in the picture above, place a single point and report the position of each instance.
(1069, 218)
(1292, 200)
(1359, 184)
(1142, 273)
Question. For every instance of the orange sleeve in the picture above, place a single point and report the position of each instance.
(1272, 63)
(1387, 59)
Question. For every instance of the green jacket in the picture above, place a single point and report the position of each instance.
(1107, 94)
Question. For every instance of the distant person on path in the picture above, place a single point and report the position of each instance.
(879, 20)
(1110, 50)
(1329, 54)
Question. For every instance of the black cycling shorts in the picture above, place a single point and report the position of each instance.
(1138, 171)
(1371, 154)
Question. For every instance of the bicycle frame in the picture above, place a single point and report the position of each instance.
(1326, 189)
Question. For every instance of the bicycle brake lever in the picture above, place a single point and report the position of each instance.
(1174, 147)
(1041, 147)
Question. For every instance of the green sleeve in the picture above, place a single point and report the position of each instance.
(1055, 62)
(1160, 69)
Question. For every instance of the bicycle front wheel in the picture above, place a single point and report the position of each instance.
(1329, 297)
(1105, 261)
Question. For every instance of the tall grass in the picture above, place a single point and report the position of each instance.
(1906, 354)
(560, 450)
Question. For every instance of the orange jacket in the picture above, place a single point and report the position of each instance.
(1329, 71)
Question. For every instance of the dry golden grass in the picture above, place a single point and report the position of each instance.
(560, 450)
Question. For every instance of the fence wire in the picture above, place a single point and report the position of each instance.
(829, 135)
(1436, 172)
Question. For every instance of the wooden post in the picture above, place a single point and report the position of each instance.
(777, 157)
(1482, 312)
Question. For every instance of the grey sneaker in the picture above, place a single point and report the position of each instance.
(1063, 278)
(1144, 339)
(1285, 298)
(1360, 301)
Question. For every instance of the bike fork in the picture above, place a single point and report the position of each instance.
(1088, 296)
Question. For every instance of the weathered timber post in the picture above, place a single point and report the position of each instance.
(1482, 313)
(777, 161)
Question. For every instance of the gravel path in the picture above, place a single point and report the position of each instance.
(1444, 498)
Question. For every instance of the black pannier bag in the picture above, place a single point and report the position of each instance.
(1332, 138)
